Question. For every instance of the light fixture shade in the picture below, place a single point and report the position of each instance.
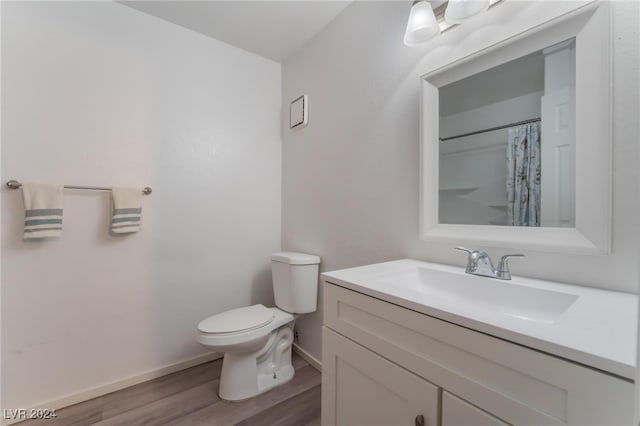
(459, 11)
(422, 23)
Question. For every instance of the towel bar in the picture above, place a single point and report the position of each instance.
(14, 184)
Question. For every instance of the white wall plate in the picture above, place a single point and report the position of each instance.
(299, 112)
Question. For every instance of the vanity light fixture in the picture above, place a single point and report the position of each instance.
(425, 22)
(459, 11)
(422, 24)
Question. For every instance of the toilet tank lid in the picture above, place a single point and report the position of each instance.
(293, 258)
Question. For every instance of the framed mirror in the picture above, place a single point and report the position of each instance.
(515, 140)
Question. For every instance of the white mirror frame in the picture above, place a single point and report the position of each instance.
(589, 24)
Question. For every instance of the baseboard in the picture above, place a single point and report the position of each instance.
(106, 388)
(313, 361)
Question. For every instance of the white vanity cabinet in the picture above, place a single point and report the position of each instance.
(384, 364)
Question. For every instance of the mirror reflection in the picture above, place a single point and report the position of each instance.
(507, 143)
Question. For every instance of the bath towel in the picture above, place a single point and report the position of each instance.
(126, 209)
(42, 210)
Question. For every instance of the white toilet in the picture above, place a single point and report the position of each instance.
(256, 341)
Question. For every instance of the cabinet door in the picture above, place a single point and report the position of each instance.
(360, 388)
(456, 412)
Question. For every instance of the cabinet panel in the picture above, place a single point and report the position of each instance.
(517, 384)
(362, 388)
(456, 412)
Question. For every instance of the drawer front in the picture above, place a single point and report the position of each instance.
(519, 385)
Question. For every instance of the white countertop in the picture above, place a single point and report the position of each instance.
(597, 330)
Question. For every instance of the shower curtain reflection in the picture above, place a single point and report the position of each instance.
(523, 175)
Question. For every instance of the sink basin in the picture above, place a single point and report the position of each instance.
(505, 297)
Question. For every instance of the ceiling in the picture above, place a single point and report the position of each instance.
(272, 29)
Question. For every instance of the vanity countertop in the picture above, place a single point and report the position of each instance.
(597, 329)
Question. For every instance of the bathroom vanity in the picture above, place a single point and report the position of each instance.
(416, 343)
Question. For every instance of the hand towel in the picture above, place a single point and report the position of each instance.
(127, 210)
(42, 210)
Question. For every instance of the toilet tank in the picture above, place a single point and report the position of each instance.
(295, 281)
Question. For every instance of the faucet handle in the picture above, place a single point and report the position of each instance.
(476, 255)
(464, 249)
(472, 260)
(503, 259)
(503, 266)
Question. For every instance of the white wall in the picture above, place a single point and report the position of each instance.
(350, 179)
(96, 93)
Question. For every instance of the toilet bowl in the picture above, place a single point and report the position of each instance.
(256, 358)
(256, 340)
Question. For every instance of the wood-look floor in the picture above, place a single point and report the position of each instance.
(189, 397)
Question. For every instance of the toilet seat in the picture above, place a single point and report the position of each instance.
(237, 320)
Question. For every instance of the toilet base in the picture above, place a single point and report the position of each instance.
(247, 374)
(280, 377)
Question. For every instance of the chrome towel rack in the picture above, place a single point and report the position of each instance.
(14, 184)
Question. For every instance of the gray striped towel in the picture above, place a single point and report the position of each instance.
(127, 210)
(42, 210)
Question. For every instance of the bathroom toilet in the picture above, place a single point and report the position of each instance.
(256, 340)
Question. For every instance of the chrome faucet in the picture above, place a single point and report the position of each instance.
(479, 263)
